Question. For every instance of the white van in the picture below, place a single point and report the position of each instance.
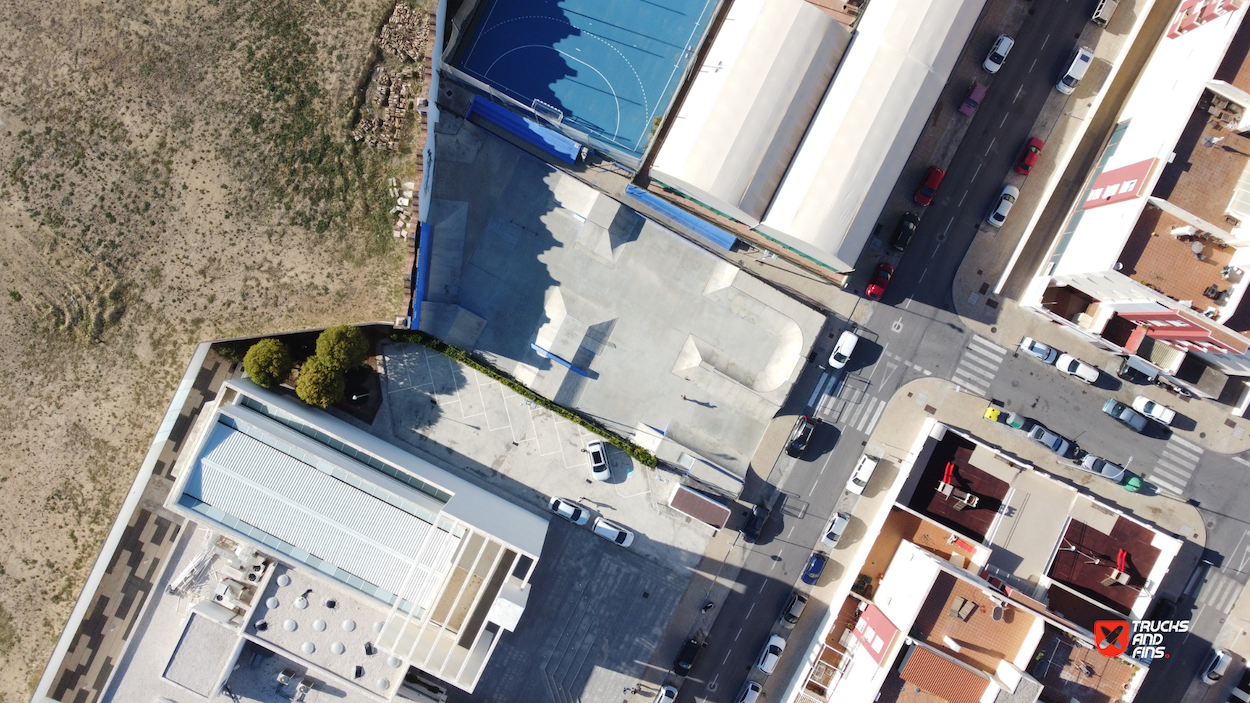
(1102, 15)
(1081, 59)
(862, 474)
(843, 349)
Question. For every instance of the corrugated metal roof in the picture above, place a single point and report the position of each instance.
(337, 522)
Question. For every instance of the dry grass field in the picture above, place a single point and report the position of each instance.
(173, 170)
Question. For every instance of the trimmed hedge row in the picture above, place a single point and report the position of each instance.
(643, 456)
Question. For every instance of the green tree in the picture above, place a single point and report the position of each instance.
(318, 384)
(342, 348)
(268, 362)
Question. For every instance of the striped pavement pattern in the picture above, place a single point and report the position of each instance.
(1219, 592)
(1176, 465)
(978, 365)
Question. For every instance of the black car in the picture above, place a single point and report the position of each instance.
(906, 230)
(800, 436)
(755, 523)
(685, 658)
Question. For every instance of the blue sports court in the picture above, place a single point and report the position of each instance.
(605, 67)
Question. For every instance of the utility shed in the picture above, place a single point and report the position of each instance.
(698, 506)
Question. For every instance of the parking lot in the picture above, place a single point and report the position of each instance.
(596, 610)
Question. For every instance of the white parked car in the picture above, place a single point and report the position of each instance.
(599, 470)
(1077, 369)
(1036, 349)
(1101, 467)
(1002, 47)
(998, 214)
(771, 654)
(667, 694)
(837, 525)
(1161, 414)
(843, 349)
(613, 532)
(568, 510)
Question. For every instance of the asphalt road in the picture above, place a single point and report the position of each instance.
(987, 156)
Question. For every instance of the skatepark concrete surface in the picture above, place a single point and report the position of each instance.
(538, 272)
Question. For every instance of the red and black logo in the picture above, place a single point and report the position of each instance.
(1111, 637)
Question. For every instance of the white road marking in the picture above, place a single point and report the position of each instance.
(992, 140)
(1032, 65)
(922, 273)
(1044, 43)
(1013, 100)
(961, 202)
(736, 636)
(819, 386)
(974, 173)
(1004, 121)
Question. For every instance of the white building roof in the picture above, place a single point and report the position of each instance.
(750, 104)
(364, 532)
(1156, 112)
(867, 125)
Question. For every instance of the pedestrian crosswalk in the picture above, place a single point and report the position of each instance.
(854, 410)
(978, 365)
(1176, 465)
(1219, 592)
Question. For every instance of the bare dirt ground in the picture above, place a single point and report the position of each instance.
(172, 170)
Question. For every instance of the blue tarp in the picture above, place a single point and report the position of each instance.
(551, 142)
(422, 277)
(707, 230)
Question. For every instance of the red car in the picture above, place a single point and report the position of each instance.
(928, 187)
(880, 281)
(1032, 151)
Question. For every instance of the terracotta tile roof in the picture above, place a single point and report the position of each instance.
(943, 678)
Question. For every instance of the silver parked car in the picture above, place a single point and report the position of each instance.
(1050, 440)
(1036, 349)
(1101, 467)
(1125, 415)
(1077, 369)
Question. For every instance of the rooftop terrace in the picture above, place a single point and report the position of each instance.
(1087, 558)
(1079, 673)
(983, 641)
(929, 500)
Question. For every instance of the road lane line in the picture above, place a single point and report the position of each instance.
(1013, 100)
(1032, 65)
(748, 617)
(735, 638)
(992, 140)
(723, 662)
(1004, 120)
(961, 203)
(762, 584)
(1044, 43)
(974, 173)
(922, 273)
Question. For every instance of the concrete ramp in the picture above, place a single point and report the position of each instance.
(452, 324)
(447, 220)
